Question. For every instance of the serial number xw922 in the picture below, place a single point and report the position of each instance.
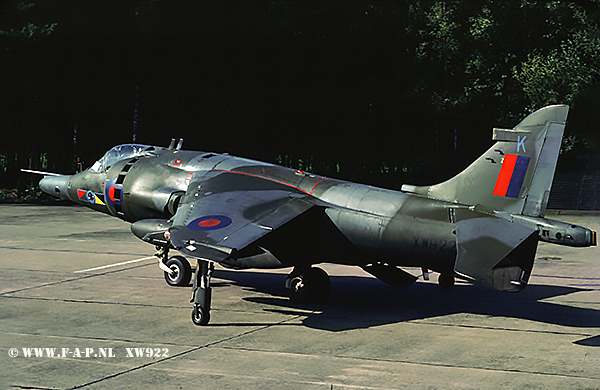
(148, 352)
(432, 244)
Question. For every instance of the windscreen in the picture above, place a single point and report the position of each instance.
(117, 153)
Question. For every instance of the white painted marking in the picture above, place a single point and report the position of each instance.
(116, 264)
(521, 142)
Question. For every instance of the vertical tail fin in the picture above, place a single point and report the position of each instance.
(515, 174)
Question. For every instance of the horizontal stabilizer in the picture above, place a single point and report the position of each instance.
(495, 252)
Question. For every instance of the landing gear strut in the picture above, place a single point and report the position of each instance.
(202, 292)
(308, 284)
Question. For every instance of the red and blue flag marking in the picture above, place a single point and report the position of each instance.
(511, 176)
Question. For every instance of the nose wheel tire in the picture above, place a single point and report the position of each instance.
(200, 316)
(181, 272)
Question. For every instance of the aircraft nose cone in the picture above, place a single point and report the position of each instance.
(55, 186)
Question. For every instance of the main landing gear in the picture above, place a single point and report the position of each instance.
(303, 285)
(446, 280)
(308, 284)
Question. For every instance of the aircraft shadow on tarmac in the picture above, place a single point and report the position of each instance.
(362, 302)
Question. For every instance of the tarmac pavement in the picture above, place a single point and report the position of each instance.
(124, 327)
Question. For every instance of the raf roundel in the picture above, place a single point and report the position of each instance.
(209, 222)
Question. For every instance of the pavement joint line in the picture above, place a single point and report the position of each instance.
(66, 251)
(422, 322)
(95, 302)
(73, 279)
(305, 382)
(207, 345)
(298, 315)
(54, 272)
(402, 361)
(90, 338)
(320, 312)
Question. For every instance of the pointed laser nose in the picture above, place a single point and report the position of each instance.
(55, 186)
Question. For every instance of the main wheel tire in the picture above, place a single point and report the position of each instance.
(446, 281)
(181, 271)
(308, 285)
(200, 316)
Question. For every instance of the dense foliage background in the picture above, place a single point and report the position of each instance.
(381, 92)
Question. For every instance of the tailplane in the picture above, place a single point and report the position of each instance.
(494, 252)
(515, 174)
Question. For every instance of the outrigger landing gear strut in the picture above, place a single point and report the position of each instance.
(202, 292)
(162, 252)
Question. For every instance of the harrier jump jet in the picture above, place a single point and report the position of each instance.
(483, 225)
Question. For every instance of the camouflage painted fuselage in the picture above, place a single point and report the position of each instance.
(482, 225)
(376, 225)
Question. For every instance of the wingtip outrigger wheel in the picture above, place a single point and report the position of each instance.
(181, 271)
(202, 292)
(177, 269)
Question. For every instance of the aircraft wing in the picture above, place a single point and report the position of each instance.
(228, 211)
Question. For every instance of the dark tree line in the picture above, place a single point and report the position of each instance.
(382, 92)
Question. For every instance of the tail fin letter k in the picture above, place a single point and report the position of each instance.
(521, 142)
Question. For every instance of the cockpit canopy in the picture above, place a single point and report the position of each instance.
(117, 153)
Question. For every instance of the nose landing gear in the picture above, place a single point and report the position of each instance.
(202, 292)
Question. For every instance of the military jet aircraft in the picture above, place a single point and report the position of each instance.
(483, 225)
